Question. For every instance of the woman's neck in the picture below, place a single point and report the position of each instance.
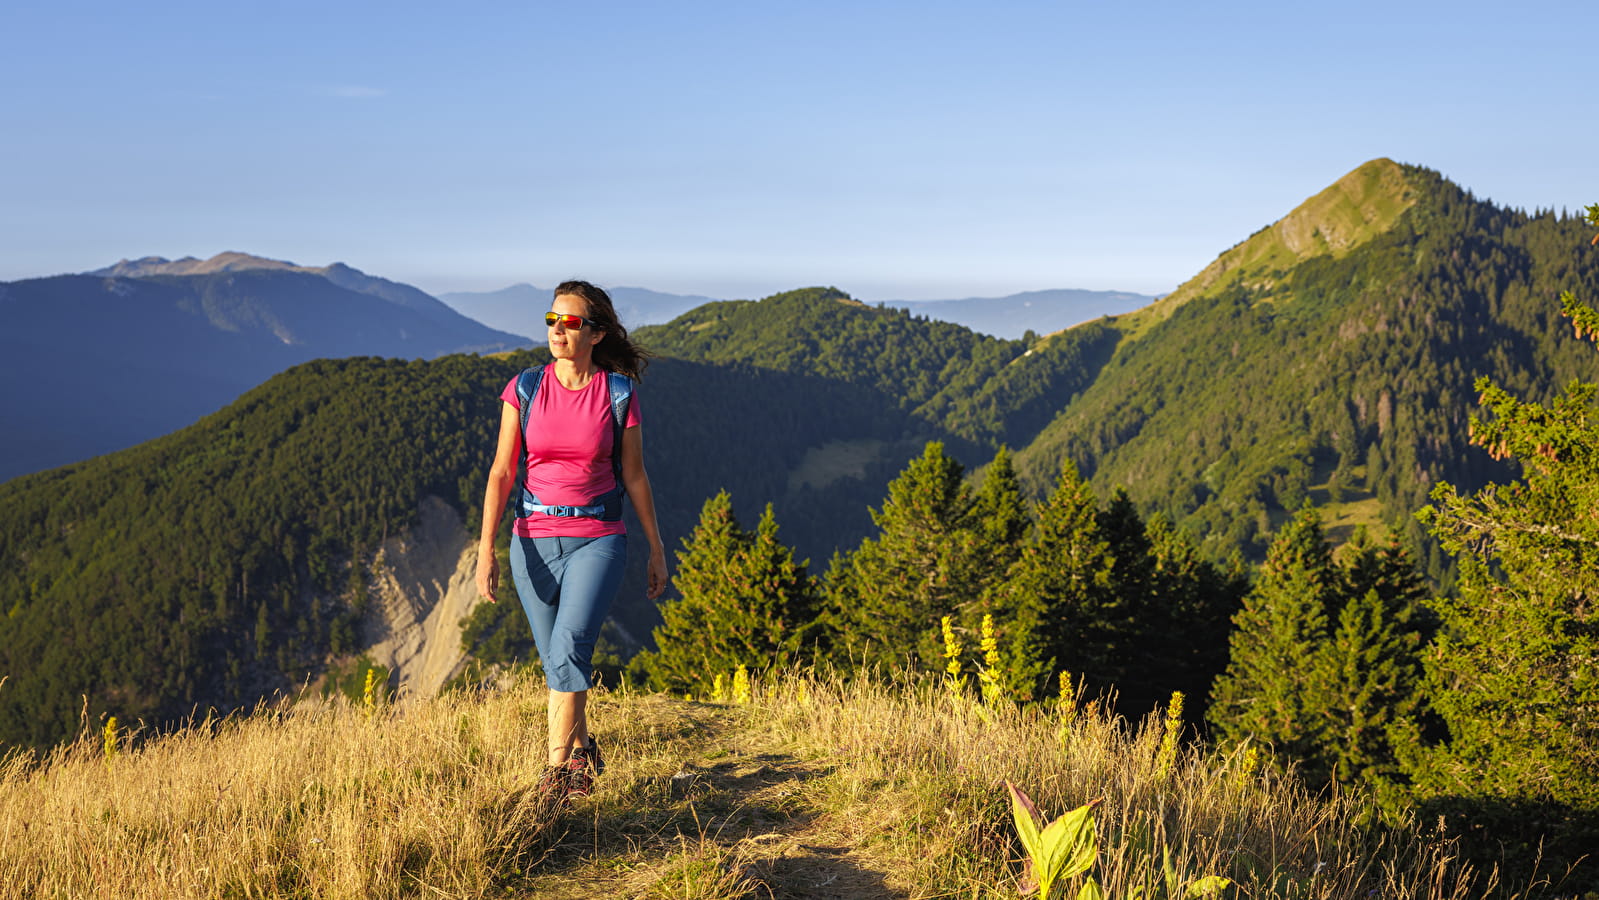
(575, 374)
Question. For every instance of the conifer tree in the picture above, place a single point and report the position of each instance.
(1000, 525)
(1270, 691)
(1126, 616)
(999, 518)
(1371, 668)
(743, 601)
(1050, 605)
(1184, 634)
(1514, 671)
(885, 600)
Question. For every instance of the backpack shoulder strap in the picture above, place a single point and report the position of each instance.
(621, 398)
(527, 387)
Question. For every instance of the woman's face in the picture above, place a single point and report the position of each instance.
(576, 344)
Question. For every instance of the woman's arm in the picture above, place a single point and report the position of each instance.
(637, 483)
(502, 475)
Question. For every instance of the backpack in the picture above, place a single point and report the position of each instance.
(607, 507)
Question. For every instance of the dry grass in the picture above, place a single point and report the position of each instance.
(818, 788)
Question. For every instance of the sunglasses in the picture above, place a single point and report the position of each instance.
(571, 322)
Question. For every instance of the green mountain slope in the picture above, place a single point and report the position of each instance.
(227, 560)
(1330, 356)
(984, 389)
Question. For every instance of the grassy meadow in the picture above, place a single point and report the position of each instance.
(793, 786)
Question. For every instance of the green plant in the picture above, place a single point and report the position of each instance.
(1066, 848)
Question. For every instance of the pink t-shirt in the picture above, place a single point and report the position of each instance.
(568, 441)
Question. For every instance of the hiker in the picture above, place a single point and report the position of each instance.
(569, 446)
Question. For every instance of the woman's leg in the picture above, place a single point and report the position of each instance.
(566, 618)
(569, 719)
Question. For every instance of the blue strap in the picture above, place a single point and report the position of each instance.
(527, 387)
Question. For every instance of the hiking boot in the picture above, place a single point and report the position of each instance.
(591, 754)
(552, 785)
(579, 776)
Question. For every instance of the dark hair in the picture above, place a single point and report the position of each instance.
(615, 352)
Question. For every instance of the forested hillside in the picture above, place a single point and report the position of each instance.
(226, 560)
(1330, 357)
(985, 389)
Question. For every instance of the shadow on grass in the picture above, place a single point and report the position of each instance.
(1542, 849)
(758, 807)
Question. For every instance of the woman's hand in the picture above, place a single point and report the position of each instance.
(488, 575)
(657, 571)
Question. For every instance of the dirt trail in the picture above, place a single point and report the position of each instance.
(756, 816)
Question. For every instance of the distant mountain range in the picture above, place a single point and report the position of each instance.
(96, 362)
(515, 309)
(1041, 312)
(519, 308)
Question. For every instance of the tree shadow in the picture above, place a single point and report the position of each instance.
(1541, 848)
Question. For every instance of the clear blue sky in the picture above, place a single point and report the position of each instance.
(735, 149)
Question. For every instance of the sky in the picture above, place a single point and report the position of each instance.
(894, 150)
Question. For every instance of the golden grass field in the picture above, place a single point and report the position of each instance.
(815, 787)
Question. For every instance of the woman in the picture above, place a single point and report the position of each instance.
(568, 545)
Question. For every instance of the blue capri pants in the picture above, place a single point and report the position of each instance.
(566, 585)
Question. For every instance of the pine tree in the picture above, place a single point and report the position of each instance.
(999, 519)
(743, 601)
(1514, 671)
(1127, 615)
(885, 600)
(1371, 669)
(1186, 630)
(1049, 607)
(1270, 689)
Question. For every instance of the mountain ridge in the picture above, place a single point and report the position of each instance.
(1364, 202)
(178, 346)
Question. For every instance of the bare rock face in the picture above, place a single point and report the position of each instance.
(423, 585)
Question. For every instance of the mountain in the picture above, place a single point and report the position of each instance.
(986, 390)
(1040, 312)
(1328, 357)
(517, 309)
(146, 346)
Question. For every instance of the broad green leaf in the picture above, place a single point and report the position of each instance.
(1209, 886)
(1090, 891)
(1026, 816)
(1068, 843)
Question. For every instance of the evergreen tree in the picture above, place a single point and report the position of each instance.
(1371, 670)
(1514, 672)
(885, 600)
(743, 601)
(1270, 691)
(1049, 607)
(1368, 678)
(1185, 632)
(1126, 618)
(999, 519)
